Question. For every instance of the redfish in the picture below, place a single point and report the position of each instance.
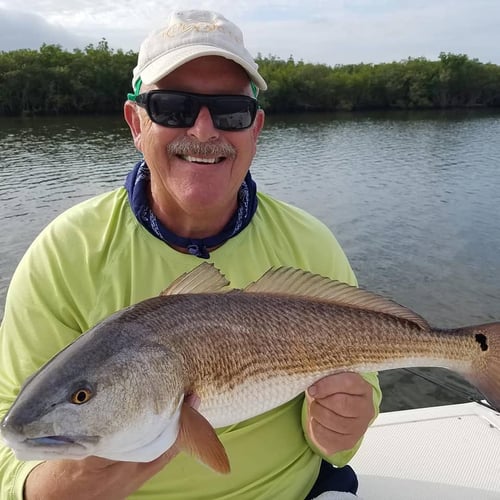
(119, 390)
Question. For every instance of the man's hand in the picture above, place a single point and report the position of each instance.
(92, 478)
(340, 408)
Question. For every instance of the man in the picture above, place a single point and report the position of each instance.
(194, 117)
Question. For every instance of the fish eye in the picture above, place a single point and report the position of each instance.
(81, 396)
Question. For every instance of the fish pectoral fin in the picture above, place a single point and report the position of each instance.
(198, 438)
(205, 278)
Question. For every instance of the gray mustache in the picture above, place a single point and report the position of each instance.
(187, 147)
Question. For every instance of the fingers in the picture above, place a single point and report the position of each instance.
(332, 432)
(193, 400)
(347, 382)
(331, 418)
(340, 408)
(328, 441)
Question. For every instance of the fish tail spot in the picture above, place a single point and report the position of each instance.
(482, 340)
(484, 371)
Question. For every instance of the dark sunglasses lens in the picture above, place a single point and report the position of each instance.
(179, 110)
(233, 113)
(172, 110)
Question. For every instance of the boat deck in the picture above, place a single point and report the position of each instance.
(445, 452)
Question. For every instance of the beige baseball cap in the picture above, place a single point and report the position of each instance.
(188, 35)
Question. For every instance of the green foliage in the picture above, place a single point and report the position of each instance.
(453, 81)
(51, 80)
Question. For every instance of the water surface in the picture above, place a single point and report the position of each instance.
(412, 197)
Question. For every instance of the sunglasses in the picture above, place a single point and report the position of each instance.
(180, 109)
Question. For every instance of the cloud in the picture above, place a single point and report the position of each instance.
(323, 31)
(368, 31)
(25, 30)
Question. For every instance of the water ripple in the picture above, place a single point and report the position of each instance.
(413, 198)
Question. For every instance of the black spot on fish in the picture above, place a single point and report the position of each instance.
(482, 341)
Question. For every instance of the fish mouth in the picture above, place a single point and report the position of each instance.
(53, 447)
(56, 441)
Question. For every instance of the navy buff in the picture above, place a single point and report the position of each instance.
(137, 185)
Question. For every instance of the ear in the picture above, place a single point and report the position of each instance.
(258, 123)
(133, 119)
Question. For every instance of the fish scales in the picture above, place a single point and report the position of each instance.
(119, 390)
(238, 339)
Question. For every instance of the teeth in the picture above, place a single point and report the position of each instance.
(201, 160)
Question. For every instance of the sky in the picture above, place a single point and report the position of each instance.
(316, 31)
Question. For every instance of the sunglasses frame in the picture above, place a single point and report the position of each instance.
(199, 100)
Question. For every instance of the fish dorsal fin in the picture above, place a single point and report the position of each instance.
(290, 281)
(205, 278)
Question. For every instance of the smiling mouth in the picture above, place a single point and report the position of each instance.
(203, 161)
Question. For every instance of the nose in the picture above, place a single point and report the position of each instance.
(203, 128)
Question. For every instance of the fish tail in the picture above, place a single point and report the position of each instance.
(485, 367)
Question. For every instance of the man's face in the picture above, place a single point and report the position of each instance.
(200, 183)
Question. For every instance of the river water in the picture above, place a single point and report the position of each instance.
(414, 198)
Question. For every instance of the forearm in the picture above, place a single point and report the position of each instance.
(92, 478)
(13, 474)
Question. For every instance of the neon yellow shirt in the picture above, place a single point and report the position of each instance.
(96, 259)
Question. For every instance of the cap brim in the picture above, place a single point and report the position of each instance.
(167, 63)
